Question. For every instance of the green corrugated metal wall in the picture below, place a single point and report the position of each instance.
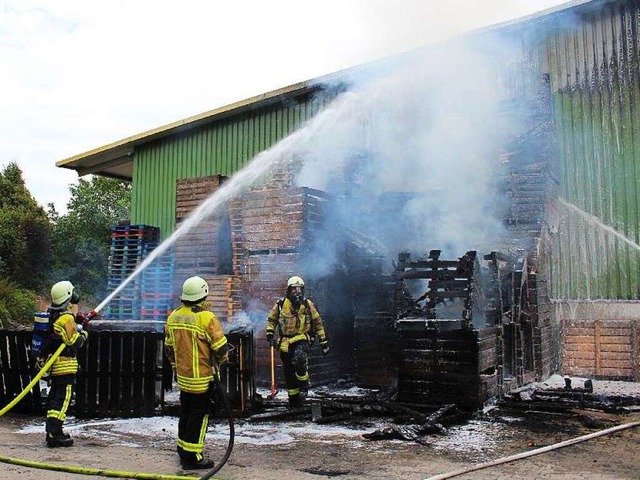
(220, 148)
(594, 68)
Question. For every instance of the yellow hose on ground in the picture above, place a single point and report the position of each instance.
(94, 471)
(36, 379)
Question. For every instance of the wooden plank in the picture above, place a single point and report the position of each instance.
(115, 404)
(80, 404)
(138, 375)
(126, 403)
(10, 380)
(581, 339)
(619, 340)
(93, 352)
(103, 374)
(580, 347)
(16, 374)
(617, 347)
(610, 331)
(583, 354)
(23, 344)
(150, 352)
(579, 332)
(620, 356)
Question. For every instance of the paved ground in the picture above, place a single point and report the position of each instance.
(305, 451)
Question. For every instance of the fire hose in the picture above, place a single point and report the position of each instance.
(86, 319)
(531, 453)
(35, 380)
(232, 433)
(106, 472)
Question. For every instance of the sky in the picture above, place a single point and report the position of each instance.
(78, 75)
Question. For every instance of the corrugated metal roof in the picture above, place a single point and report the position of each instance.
(116, 159)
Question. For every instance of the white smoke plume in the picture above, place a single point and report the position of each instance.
(415, 161)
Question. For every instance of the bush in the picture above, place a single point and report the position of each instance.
(17, 306)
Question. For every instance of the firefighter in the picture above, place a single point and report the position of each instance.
(65, 326)
(193, 338)
(298, 323)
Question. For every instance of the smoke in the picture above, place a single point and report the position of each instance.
(414, 163)
(409, 151)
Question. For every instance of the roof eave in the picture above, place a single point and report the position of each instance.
(100, 159)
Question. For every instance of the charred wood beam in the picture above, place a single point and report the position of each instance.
(467, 262)
(431, 424)
(448, 294)
(280, 414)
(438, 274)
(431, 264)
(449, 284)
(499, 257)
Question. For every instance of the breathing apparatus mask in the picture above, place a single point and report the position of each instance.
(295, 295)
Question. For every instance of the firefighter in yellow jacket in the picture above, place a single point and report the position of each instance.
(298, 323)
(193, 337)
(65, 326)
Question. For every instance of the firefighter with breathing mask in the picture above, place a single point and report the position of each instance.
(193, 337)
(66, 325)
(298, 323)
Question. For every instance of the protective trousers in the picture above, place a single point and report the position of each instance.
(192, 425)
(59, 400)
(295, 364)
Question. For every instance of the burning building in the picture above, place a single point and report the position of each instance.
(465, 214)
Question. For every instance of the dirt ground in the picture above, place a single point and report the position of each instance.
(298, 450)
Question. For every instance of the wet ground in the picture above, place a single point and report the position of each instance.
(302, 449)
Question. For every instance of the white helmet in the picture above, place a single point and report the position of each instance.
(295, 282)
(61, 293)
(194, 289)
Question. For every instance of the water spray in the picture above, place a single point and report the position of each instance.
(595, 220)
(286, 148)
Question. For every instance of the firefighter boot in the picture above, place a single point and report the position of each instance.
(295, 401)
(205, 463)
(59, 440)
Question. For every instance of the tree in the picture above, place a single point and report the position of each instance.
(25, 232)
(82, 236)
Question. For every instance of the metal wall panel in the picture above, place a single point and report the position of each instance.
(593, 61)
(223, 147)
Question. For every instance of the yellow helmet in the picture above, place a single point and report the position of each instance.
(295, 281)
(194, 289)
(61, 293)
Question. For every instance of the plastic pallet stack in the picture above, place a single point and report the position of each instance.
(157, 298)
(130, 244)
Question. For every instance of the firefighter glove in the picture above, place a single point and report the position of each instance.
(270, 339)
(324, 345)
(81, 319)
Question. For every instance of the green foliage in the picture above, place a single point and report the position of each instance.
(17, 305)
(25, 232)
(82, 236)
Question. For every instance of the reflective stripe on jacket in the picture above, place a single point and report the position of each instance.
(64, 331)
(295, 325)
(192, 335)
